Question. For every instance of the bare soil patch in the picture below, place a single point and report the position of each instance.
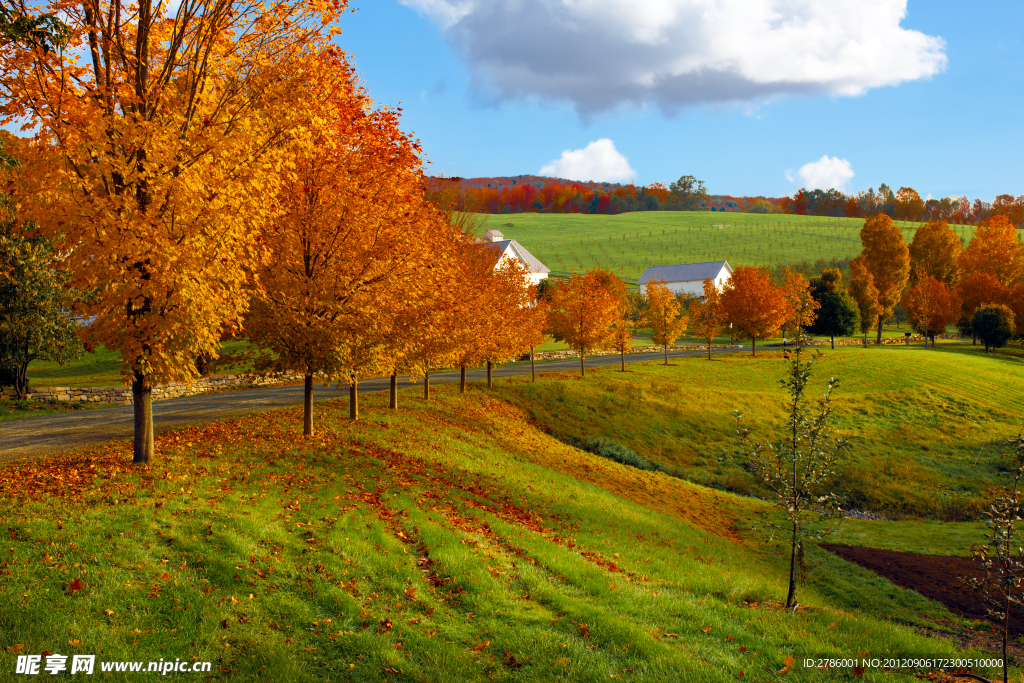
(937, 577)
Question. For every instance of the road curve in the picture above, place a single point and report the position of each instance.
(35, 436)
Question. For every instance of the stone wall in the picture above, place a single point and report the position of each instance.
(123, 395)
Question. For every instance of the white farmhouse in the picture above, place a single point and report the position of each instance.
(687, 278)
(510, 249)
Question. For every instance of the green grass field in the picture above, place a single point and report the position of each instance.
(629, 242)
(457, 540)
(925, 425)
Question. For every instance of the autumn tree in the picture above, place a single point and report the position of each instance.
(663, 315)
(909, 205)
(994, 325)
(350, 252)
(885, 255)
(511, 323)
(707, 318)
(754, 305)
(622, 336)
(803, 306)
(977, 290)
(583, 314)
(862, 289)
(837, 313)
(154, 162)
(931, 305)
(935, 251)
(996, 250)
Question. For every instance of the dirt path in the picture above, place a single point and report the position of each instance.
(937, 577)
(35, 436)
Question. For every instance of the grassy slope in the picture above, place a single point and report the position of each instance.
(447, 542)
(629, 242)
(916, 419)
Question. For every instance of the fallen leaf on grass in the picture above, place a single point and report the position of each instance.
(109, 612)
(16, 648)
(788, 661)
(706, 629)
(75, 586)
(481, 646)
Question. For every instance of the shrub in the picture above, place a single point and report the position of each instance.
(606, 448)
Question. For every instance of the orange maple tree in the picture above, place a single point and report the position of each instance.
(802, 304)
(862, 289)
(935, 251)
(887, 257)
(583, 314)
(706, 315)
(754, 305)
(352, 249)
(663, 315)
(996, 250)
(931, 305)
(158, 140)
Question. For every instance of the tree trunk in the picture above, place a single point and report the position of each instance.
(353, 399)
(791, 597)
(974, 342)
(142, 404)
(833, 341)
(666, 355)
(753, 346)
(462, 379)
(879, 341)
(426, 383)
(583, 367)
(622, 353)
(307, 406)
(986, 346)
(394, 392)
(709, 349)
(489, 366)
(533, 366)
(21, 382)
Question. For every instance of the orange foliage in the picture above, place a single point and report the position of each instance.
(995, 250)
(887, 257)
(155, 161)
(931, 305)
(583, 314)
(754, 305)
(935, 251)
(706, 315)
(663, 315)
(862, 289)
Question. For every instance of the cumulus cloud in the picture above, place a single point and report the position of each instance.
(599, 54)
(599, 162)
(824, 174)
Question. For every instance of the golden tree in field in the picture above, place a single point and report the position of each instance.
(351, 253)
(663, 315)
(158, 143)
(583, 314)
(935, 251)
(887, 257)
(803, 306)
(996, 250)
(862, 289)
(622, 333)
(706, 314)
(754, 305)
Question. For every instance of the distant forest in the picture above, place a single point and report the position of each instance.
(536, 194)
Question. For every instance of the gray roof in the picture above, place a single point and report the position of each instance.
(532, 264)
(684, 272)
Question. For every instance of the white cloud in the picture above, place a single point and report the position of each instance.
(824, 174)
(599, 162)
(599, 54)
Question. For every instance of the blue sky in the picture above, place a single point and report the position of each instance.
(921, 94)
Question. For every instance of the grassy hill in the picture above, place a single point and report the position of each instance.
(457, 540)
(629, 242)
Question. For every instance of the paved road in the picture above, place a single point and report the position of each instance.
(33, 436)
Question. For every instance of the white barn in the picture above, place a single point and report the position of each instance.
(510, 249)
(687, 278)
